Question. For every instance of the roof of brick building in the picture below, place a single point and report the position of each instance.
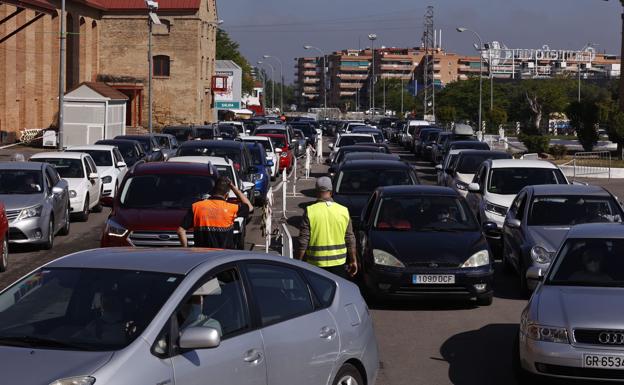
(165, 5)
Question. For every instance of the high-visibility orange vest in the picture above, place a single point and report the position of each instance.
(214, 214)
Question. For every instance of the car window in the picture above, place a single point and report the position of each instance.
(572, 210)
(118, 157)
(91, 164)
(364, 181)
(53, 175)
(67, 168)
(21, 182)
(324, 288)
(509, 181)
(279, 292)
(369, 206)
(217, 302)
(165, 191)
(520, 205)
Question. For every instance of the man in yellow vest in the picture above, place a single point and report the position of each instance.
(326, 237)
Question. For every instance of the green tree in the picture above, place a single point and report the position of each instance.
(543, 97)
(495, 117)
(393, 90)
(583, 117)
(616, 129)
(446, 114)
(228, 49)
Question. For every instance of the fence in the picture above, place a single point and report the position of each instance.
(592, 163)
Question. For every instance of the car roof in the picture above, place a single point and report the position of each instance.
(417, 190)
(355, 135)
(58, 155)
(520, 163)
(212, 143)
(215, 160)
(274, 126)
(377, 164)
(119, 141)
(21, 165)
(597, 230)
(362, 155)
(101, 147)
(252, 138)
(171, 167)
(471, 151)
(568, 189)
(134, 137)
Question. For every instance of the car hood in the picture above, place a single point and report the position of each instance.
(549, 237)
(105, 170)
(501, 200)
(20, 201)
(355, 203)
(581, 307)
(149, 219)
(76, 183)
(429, 246)
(42, 366)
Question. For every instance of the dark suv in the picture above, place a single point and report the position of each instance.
(234, 150)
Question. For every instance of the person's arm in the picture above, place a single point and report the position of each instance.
(352, 266)
(187, 223)
(241, 196)
(304, 236)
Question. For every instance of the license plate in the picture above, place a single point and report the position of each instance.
(435, 279)
(603, 361)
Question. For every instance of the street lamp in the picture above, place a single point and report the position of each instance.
(621, 96)
(152, 7)
(272, 84)
(463, 29)
(372, 37)
(282, 83)
(61, 90)
(324, 77)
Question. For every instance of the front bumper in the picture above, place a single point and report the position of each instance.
(565, 360)
(30, 230)
(108, 190)
(76, 204)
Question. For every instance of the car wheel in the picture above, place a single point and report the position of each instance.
(348, 375)
(485, 300)
(84, 214)
(66, 226)
(50, 240)
(4, 257)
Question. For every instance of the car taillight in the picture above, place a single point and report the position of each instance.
(237, 166)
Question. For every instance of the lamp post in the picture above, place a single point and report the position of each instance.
(282, 82)
(372, 37)
(272, 84)
(61, 90)
(462, 29)
(621, 91)
(324, 77)
(152, 18)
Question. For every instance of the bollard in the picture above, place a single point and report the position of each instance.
(319, 149)
(307, 163)
(294, 183)
(284, 187)
(268, 212)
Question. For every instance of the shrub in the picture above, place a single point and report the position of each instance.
(535, 143)
(559, 151)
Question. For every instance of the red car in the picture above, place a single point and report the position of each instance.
(4, 239)
(284, 149)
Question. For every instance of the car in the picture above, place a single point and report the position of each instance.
(84, 182)
(447, 164)
(181, 133)
(348, 140)
(283, 149)
(111, 166)
(131, 150)
(571, 327)
(237, 125)
(421, 139)
(4, 239)
(349, 125)
(228, 131)
(261, 177)
(150, 146)
(343, 151)
(412, 128)
(466, 145)
(497, 181)
(429, 141)
(231, 149)
(269, 148)
(36, 200)
(207, 132)
(276, 129)
(308, 130)
(540, 217)
(360, 156)
(356, 180)
(153, 200)
(168, 144)
(437, 147)
(411, 145)
(375, 132)
(423, 241)
(263, 320)
(461, 171)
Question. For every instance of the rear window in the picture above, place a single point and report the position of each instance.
(221, 152)
(351, 140)
(323, 288)
(101, 158)
(67, 168)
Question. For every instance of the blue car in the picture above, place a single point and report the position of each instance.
(261, 175)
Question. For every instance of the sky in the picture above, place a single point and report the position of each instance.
(281, 27)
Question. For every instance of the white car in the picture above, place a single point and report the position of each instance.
(110, 165)
(80, 172)
(408, 133)
(498, 181)
(348, 140)
(351, 125)
(269, 148)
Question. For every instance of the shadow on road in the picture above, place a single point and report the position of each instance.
(506, 284)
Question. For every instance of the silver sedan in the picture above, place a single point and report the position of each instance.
(185, 316)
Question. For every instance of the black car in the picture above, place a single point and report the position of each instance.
(357, 179)
(236, 151)
(228, 131)
(131, 150)
(427, 145)
(182, 133)
(207, 132)
(354, 148)
(308, 130)
(423, 241)
(422, 139)
(149, 143)
(361, 156)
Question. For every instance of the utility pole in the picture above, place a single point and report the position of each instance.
(61, 97)
(462, 29)
(272, 83)
(372, 37)
(429, 71)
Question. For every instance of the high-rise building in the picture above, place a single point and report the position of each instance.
(308, 82)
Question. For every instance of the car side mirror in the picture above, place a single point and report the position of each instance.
(278, 150)
(93, 175)
(490, 229)
(535, 273)
(199, 338)
(121, 164)
(438, 167)
(270, 163)
(248, 186)
(513, 223)
(57, 190)
(330, 145)
(474, 188)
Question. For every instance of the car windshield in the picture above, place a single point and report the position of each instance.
(67, 168)
(256, 154)
(205, 133)
(20, 182)
(279, 141)
(307, 130)
(589, 262)
(221, 152)
(469, 163)
(129, 153)
(263, 143)
(226, 171)
(476, 145)
(165, 191)
(100, 157)
(508, 181)
(163, 141)
(351, 140)
(572, 210)
(82, 309)
(432, 137)
(424, 213)
(366, 181)
(228, 130)
(144, 142)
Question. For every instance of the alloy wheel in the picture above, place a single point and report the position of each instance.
(348, 380)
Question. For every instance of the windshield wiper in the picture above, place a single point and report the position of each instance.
(35, 342)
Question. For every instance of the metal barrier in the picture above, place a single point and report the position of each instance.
(267, 219)
(592, 163)
(287, 242)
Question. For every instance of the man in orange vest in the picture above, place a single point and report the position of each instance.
(212, 219)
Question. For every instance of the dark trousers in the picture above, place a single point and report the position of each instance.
(340, 270)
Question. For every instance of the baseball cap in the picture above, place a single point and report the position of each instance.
(324, 184)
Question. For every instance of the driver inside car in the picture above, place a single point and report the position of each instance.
(196, 312)
(592, 259)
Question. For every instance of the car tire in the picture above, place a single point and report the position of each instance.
(49, 243)
(65, 229)
(4, 257)
(348, 375)
(84, 214)
(485, 300)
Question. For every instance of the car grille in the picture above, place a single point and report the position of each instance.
(595, 336)
(16, 234)
(558, 370)
(158, 238)
(12, 214)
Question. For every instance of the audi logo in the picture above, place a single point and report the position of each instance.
(611, 338)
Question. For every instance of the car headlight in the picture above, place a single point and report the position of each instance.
(107, 179)
(114, 229)
(72, 193)
(461, 186)
(540, 255)
(256, 177)
(384, 258)
(84, 380)
(544, 333)
(480, 258)
(30, 212)
(496, 209)
(284, 154)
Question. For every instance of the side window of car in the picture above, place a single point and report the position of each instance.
(217, 302)
(280, 292)
(118, 157)
(369, 207)
(477, 176)
(86, 167)
(53, 176)
(91, 164)
(519, 214)
(49, 183)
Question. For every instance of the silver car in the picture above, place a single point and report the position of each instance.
(184, 316)
(36, 201)
(572, 326)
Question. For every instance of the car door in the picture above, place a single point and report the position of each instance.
(221, 305)
(301, 341)
(95, 185)
(120, 171)
(474, 198)
(514, 236)
(56, 200)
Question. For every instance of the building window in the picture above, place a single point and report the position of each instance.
(161, 65)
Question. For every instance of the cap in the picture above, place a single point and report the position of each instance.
(324, 184)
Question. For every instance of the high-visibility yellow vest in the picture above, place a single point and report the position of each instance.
(328, 226)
